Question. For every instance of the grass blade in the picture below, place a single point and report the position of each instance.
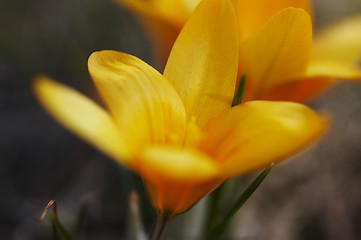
(220, 228)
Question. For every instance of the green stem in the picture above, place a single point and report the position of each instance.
(160, 227)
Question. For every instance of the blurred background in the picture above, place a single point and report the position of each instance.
(316, 195)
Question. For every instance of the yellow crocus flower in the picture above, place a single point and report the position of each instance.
(334, 54)
(178, 130)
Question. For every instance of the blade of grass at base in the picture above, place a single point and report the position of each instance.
(61, 229)
(53, 217)
(219, 229)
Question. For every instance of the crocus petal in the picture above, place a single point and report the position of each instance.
(146, 107)
(257, 133)
(253, 14)
(162, 20)
(173, 12)
(175, 197)
(82, 117)
(300, 90)
(278, 52)
(162, 36)
(190, 4)
(177, 178)
(177, 163)
(203, 62)
(341, 41)
(328, 67)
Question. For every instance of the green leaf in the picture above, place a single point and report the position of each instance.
(220, 228)
(239, 94)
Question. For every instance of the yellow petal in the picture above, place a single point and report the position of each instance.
(328, 67)
(82, 117)
(257, 133)
(278, 52)
(144, 104)
(341, 41)
(190, 4)
(203, 62)
(177, 178)
(253, 14)
(177, 163)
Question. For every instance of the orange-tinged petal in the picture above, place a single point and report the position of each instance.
(300, 90)
(203, 62)
(257, 133)
(82, 117)
(174, 12)
(328, 67)
(341, 41)
(144, 104)
(278, 52)
(175, 197)
(162, 20)
(253, 14)
(162, 36)
(172, 9)
(177, 178)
